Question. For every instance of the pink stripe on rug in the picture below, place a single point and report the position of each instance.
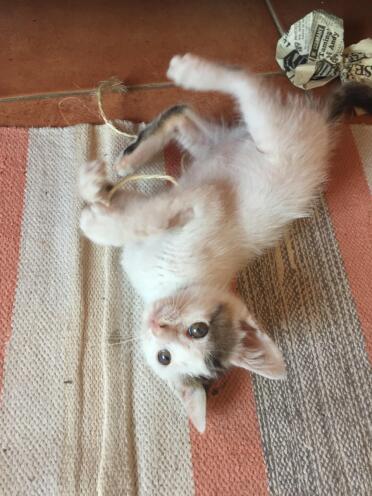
(350, 206)
(13, 163)
(228, 457)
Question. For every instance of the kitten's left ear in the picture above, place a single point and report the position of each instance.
(194, 399)
(258, 352)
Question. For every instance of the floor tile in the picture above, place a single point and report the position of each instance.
(65, 45)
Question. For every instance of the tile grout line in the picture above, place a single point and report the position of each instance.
(93, 91)
(82, 92)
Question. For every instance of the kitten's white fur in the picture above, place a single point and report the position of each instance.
(236, 198)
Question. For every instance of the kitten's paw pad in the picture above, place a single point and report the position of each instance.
(93, 181)
(187, 70)
(95, 223)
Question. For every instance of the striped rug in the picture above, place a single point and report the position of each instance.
(80, 414)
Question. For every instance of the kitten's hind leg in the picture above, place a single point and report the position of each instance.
(178, 123)
(260, 108)
(195, 73)
(273, 125)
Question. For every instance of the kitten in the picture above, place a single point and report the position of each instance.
(185, 246)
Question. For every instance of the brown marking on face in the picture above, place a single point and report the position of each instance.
(222, 340)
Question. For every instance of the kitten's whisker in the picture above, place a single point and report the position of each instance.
(117, 343)
(118, 340)
(125, 349)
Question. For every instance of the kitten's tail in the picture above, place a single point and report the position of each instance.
(348, 96)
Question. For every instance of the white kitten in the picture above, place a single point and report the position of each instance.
(184, 247)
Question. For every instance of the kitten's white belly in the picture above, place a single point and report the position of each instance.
(151, 275)
(160, 266)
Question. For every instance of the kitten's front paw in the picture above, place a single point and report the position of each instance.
(93, 181)
(189, 71)
(124, 164)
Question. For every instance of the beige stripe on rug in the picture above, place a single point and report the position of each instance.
(143, 443)
(81, 412)
(32, 403)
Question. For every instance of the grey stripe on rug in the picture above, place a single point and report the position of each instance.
(315, 431)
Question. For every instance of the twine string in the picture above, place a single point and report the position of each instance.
(117, 85)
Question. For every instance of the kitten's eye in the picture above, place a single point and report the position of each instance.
(198, 330)
(164, 357)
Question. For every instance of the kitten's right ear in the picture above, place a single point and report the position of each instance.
(194, 399)
(258, 353)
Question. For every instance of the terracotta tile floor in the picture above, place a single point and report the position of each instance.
(66, 45)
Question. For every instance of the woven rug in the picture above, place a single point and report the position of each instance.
(80, 413)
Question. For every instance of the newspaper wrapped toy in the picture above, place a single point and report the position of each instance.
(312, 52)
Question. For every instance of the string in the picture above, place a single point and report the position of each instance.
(114, 83)
(145, 177)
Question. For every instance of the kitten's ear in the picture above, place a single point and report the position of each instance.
(194, 399)
(258, 353)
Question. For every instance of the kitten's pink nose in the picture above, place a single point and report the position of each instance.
(156, 328)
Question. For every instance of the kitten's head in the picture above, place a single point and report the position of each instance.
(196, 335)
